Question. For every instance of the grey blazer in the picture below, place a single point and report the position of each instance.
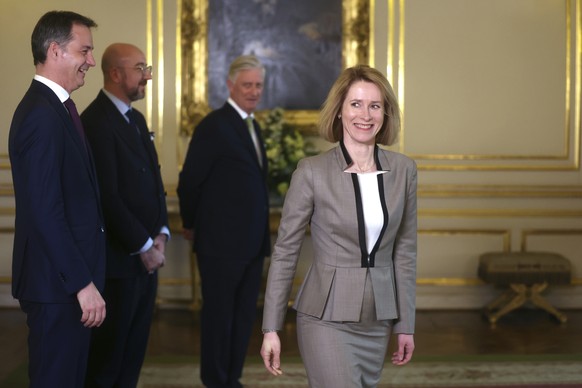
(323, 195)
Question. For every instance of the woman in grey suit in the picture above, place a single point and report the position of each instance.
(360, 202)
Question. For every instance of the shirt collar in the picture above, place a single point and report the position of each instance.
(121, 106)
(241, 112)
(61, 93)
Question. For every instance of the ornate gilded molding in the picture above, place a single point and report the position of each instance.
(356, 32)
(194, 104)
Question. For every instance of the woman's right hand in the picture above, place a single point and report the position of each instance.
(271, 353)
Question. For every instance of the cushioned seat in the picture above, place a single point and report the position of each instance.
(527, 275)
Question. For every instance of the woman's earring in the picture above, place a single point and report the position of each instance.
(339, 116)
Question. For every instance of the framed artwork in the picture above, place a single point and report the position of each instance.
(304, 45)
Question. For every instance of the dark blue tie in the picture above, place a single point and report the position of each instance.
(132, 119)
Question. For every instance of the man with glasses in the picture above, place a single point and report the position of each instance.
(134, 206)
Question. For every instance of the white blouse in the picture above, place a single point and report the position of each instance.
(373, 215)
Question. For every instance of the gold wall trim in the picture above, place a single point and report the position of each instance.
(275, 215)
(174, 281)
(390, 71)
(194, 45)
(447, 191)
(571, 152)
(493, 167)
(442, 281)
(6, 190)
(546, 232)
(504, 233)
(499, 213)
(401, 71)
(371, 52)
(160, 79)
(194, 37)
(178, 82)
(7, 211)
(421, 282)
(499, 191)
(449, 282)
(578, 74)
(149, 58)
(4, 162)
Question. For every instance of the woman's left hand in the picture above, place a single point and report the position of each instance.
(405, 349)
(271, 353)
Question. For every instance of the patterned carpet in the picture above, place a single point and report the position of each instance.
(423, 374)
(429, 372)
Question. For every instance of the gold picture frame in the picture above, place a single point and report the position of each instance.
(194, 52)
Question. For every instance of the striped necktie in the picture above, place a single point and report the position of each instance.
(254, 137)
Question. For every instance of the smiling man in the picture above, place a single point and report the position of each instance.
(58, 265)
(225, 211)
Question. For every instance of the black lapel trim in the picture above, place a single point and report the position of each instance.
(367, 261)
(385, 212)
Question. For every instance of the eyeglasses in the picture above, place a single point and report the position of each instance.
(146, 71)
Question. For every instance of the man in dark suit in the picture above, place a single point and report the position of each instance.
(58, 264)
(225, 211)
(134, 205)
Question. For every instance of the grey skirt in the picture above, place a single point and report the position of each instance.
(344, 354)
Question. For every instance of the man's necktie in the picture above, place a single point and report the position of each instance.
(70, 105)
(251, 127)
(131, 117)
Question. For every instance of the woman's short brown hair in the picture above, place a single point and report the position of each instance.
(330, 125)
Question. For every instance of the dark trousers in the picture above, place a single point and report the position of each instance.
(58, 344)
(118, 347)
(230, 288)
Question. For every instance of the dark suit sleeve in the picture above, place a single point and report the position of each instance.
(39, 175)
(203, 151)
(223, 190)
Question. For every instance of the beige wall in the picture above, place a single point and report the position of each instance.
(490, 91)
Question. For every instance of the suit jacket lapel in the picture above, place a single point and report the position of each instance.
(368, 259)
(65, 116)
(243, 132)
(84, 149)
(262, 146)
(125, 130)
(147, 141)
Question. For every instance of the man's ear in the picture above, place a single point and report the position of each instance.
(115, 74)
(53, 51)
